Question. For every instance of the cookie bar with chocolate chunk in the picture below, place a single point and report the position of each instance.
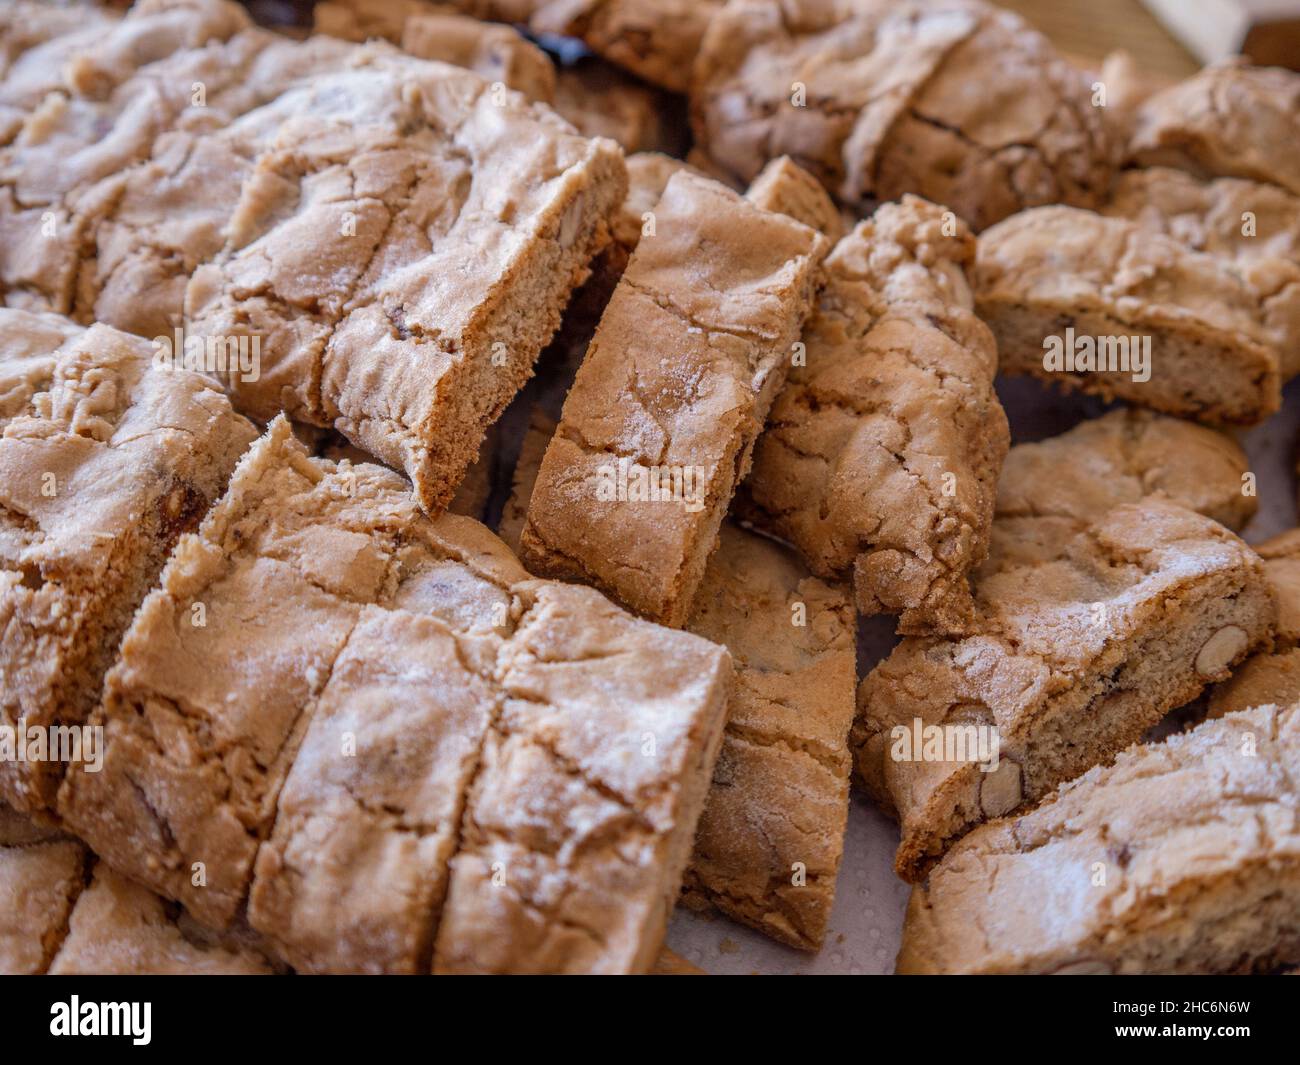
(1181, 857)
(106, 457)
(658, 429)
(1102, 305)
(1097, 612)
(881, 99)
(880, 458)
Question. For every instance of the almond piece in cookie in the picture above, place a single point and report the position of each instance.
(1098, 611)
(1180, 857)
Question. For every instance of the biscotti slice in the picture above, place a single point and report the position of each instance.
(660, 424)
(791, 637)
(106, 457)
(1272, 676)
(403, 265)
(1101, 305)
(1181, 857)
(654, 39)
(770, 839)
(581, 817)
(785, 188)
(41, 874)
(1125, 456)
(325, 777)
(1253, 225)
(880, 458)
(1096, 617)
(1230, 119)
(877, 100)
(430, 31)
(119, 928)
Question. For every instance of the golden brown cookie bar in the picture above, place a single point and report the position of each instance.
(881, 99)
(426, 320)
(1096, 615)
(1103, 306)
(654, 39)
(880, 458)
(1254, 225)
(770, 840)
(648, 174)
(791, 637)
(86, 107)
(1181, 857)
(1125, 456)
(1273, 676)
(431, 31)
(659, 426)
(1231, 119)
(41, 874)
(105, 459)
(785, 188)
(377, 669)
(121, 928)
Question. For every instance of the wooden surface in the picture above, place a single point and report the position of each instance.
(1089, 29)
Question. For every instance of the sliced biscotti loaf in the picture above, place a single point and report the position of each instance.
(1231, 119)
(106, 456)
(880, 458)
(1102, 305)
(878, 100)
(768, 848)
(659, 427)
(1097, 613)
(1254, 226)
(1181, 857)
(402, 718)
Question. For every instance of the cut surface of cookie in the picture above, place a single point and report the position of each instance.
(1101, 305)
(1181, 857)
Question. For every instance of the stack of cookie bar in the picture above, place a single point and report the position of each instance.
(449, 458)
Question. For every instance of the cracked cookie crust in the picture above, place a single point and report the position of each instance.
(693, 346)
(105, 460)
(880, 99)
(375, 733)
(1102, 305)
(1181, 857)
(880, 457)
(1231, 119)
(1097, 613)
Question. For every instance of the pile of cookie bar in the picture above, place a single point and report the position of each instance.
(446, 456)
